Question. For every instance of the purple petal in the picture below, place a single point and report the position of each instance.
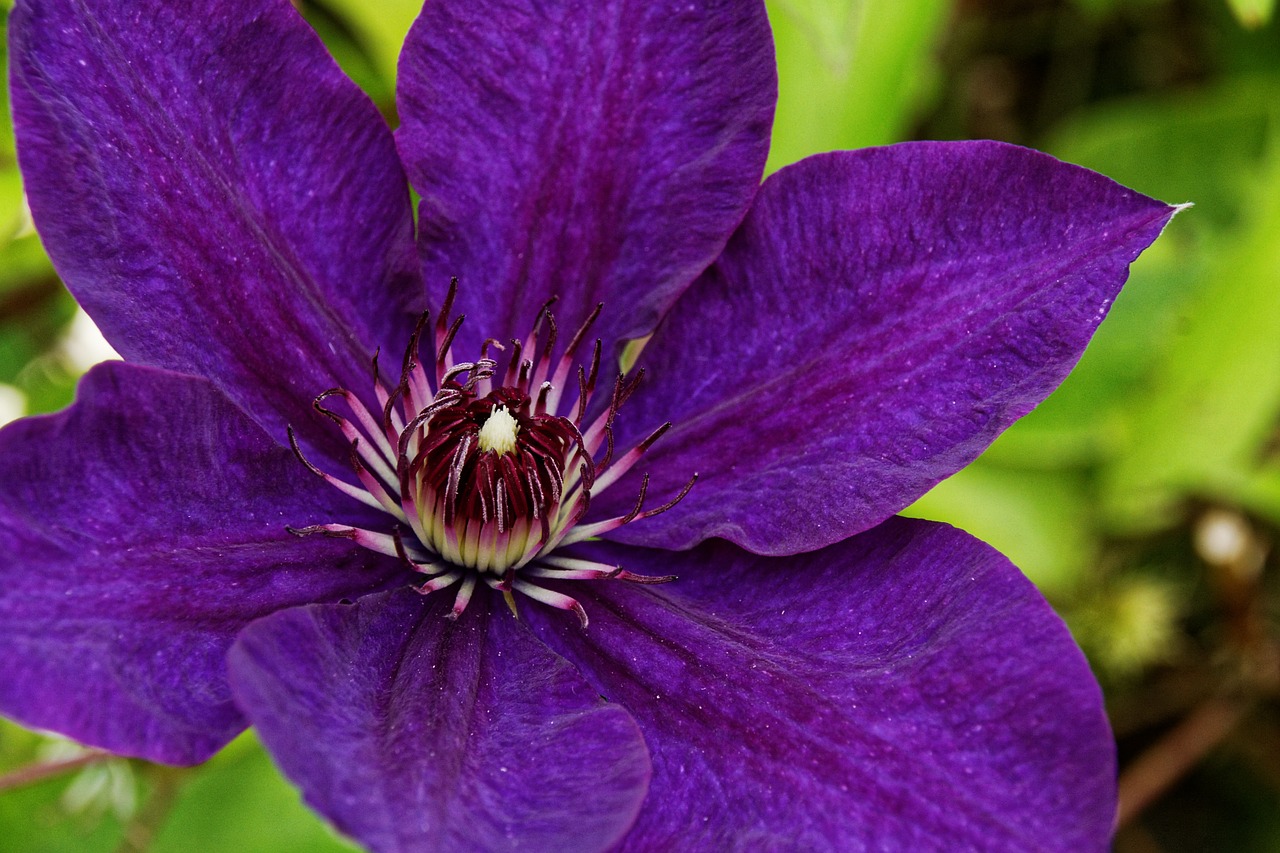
(215, 192)
(141, 529)
(878, 319)
(594, 150)
(904, 690)
(413, 732)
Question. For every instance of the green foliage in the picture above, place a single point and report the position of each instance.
(1214, 401)
(1179, 393)
(1253, 13)
(852, 73)
(238, 803)
(36, 818)
(358, 42)
(1040, 520)
(34, 307)
(379, 27)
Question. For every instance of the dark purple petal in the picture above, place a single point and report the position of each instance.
(878, 319)
(905, 690)
(413, 732)
(595, 150)
(141, 530)
(215, 192)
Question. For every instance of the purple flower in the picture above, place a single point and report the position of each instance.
(825, 347)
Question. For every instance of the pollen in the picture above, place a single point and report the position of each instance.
(499, 432)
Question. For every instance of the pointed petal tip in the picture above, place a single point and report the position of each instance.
(960, 283)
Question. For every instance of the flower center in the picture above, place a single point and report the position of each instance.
(486, 474)
(485, 480)
(498, 434)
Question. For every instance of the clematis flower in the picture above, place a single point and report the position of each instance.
(455, 572)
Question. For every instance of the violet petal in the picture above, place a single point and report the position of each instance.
(141, 530)
(877, 320)
(594, 150)
(905, 690)
(436, 734)
(216, 193)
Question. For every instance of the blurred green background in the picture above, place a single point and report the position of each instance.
(1143, 497)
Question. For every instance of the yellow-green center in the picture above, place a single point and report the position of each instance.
(499, 432)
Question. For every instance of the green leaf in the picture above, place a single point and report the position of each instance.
(34, 310)
(1260, 492)
(1208, 148)
(380, 28)
(1083, 422)
(1214, 403)
(11, 207)
(851, 74)
(1204, 147)
(35, 817)
(1252, 13)
(239, 803)
(351, 53)
(1042, 522)
(6, 124)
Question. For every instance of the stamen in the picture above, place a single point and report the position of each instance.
(382, 543)
(568, 568)
(463, 598)
(442, 319)
(411, 373)
(504, 587)
(622, 391)
(457, 370)
(444, 356)
(375, 436)
(590, 531)
(553, 599)
(541, 407)
(587, 385)
(627, 460)
(440, 582)
(481, 482)
(543, 360)
(571, 574)
(346, 488)
(485, 386)
(669, 504)
(372, 488)
(412, 558)
(607, 459)
(645, 580)
(579, 336)
(513, 366)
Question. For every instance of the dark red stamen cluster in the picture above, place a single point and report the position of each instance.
(479, 484)
(479, 507)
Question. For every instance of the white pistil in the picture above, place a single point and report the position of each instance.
(499, 432)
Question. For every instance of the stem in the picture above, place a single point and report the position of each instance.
(33, 773)
(29, 301)
(140, 831)
(1169, 759)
